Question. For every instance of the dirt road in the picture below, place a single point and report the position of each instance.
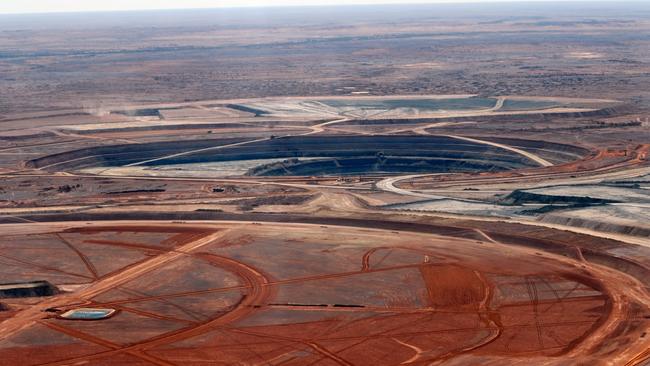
(28, 317)
(531, 156)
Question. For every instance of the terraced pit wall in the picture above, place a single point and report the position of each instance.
(354, 154)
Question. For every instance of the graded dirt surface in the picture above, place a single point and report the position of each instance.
(305, 294)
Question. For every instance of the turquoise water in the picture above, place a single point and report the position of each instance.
(89, 314)
(422, 104)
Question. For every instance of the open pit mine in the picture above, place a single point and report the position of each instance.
(429, 230)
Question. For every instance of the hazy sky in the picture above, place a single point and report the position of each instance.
(35, 6)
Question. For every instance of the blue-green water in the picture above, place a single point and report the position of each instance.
(421, 104)
(88, 314)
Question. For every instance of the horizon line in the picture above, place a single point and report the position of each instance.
(254, 6)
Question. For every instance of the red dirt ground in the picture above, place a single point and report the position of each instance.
(211, 305)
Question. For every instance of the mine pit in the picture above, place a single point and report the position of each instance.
(306, 156)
